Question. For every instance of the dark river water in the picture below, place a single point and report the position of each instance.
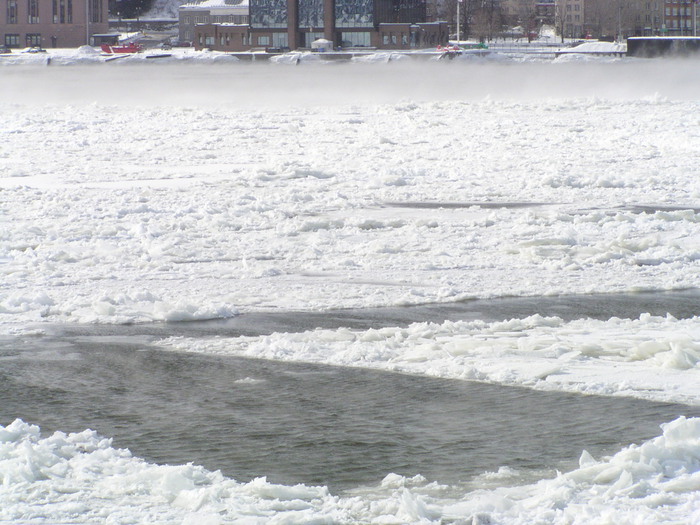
(300, 423)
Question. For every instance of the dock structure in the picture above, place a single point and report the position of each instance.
(662, 46)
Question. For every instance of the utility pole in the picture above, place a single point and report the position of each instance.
(458, 20)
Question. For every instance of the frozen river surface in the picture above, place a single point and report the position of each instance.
(385, 205)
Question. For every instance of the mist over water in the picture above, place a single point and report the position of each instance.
(266, 85)
(304, 423)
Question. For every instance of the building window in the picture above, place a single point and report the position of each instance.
(96, 15)
(263, 40)
(61, 15)
(12, 12)
(33, 11)
(354, 13)
(12, 40)
(33, 40)
(355, 39)
(280, 40)
(208, 41)
(267, 14)
(311, 13)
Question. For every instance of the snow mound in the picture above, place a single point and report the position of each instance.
(80, 478)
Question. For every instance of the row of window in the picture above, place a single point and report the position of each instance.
(348, 39)
(675, 11)
(215, 19)
(13, 12)
(278, 40)
(62, 11)
(676, 24)
(412, 38)
(348, 13)
(30, 40)
(356, 39)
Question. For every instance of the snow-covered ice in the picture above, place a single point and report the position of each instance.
(141, 194)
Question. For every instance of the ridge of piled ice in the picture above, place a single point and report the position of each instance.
(650, 357)
(81, 478)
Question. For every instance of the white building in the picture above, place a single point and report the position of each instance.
(570, 18)
(211, 12)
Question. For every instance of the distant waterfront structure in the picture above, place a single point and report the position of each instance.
(575, 19)
(52, 23)
(619, 20)
(295, 24)
(660, 46)
(209, 12)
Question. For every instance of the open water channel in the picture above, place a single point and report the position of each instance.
(301, 423)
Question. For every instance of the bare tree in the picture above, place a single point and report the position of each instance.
(529, 23)
(486, 19)
(618, 18)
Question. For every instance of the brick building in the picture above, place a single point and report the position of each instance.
(641, 18)
(680, 18)
(394, 24)
(294, 24)
(51, 23)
